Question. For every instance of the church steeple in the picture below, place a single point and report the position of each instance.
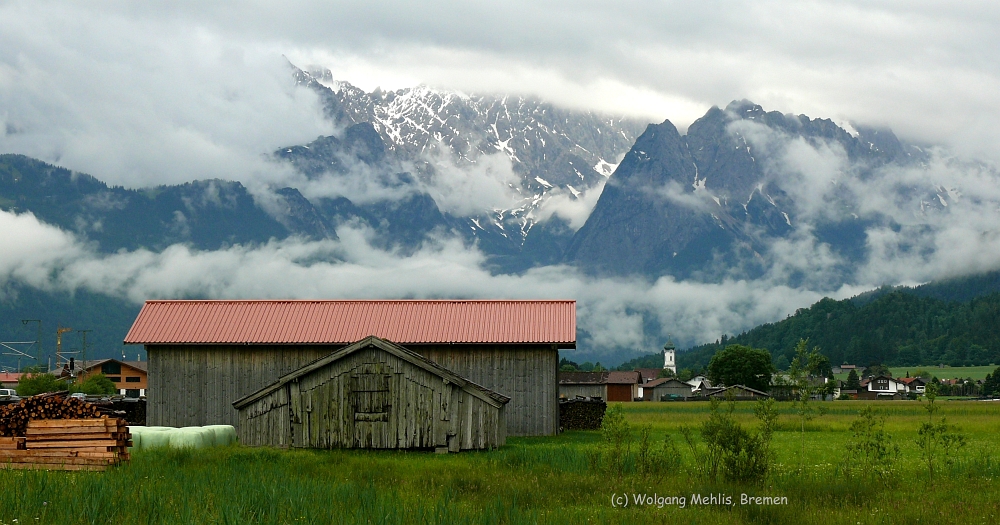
(668, 357)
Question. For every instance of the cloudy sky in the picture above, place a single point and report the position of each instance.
(143, 93)
(121, 88)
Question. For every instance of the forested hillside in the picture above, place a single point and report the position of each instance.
(897, 328)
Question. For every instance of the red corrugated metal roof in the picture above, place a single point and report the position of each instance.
(343, 322)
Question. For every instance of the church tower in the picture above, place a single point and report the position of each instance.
(668, 357)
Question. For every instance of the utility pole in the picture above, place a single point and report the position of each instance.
(38, 342)
(83, 358)
(59, 333)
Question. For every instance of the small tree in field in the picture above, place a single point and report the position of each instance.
(870, 449)
(801, 368)
(935, 438)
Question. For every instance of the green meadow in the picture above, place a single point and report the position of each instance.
(538, 480)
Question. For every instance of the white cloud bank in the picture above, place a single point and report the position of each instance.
(609, 310)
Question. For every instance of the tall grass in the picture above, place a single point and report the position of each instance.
(531, 480)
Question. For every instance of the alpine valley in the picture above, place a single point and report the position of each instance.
(742, 194)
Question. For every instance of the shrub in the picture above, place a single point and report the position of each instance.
(34, 384)
(95, 385)
(870, 450)
(616, 436)
(650, 460)
(736, 453)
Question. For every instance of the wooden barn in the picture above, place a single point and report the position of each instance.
(373, 394)
(204, 355)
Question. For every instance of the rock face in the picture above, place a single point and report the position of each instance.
(705, 204)
(552, 152)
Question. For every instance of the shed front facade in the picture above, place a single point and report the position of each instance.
(373, 394)
(203, 355)
(665, 389)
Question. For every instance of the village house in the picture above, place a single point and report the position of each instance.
(9, 379)
(204, 355)
(130, 377)
(623, 385)
(916, 385)
(610, 386)
(648, 374)
(700, 385)
(882, 388)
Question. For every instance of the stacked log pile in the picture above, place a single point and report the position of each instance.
(70, 444)
(14, 417)
(54, 432)
(581, 414)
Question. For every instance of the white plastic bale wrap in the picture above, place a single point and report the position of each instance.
(225, 435)
(191, 437)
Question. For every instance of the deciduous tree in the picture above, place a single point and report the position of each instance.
(741, 365)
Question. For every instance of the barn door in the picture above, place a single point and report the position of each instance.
(372, 404)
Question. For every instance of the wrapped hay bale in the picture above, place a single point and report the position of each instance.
(225, 435)
(192, 437)
(144, 438)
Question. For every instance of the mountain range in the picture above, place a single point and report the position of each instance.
(715, 202)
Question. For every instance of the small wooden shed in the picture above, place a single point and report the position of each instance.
(373, 394)
(666, 389)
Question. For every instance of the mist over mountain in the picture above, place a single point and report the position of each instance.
(744, 218)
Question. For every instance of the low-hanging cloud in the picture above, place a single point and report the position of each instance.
(611, 310)
(928, 219)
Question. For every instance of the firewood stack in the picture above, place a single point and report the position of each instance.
(581, 414)
(55, 405)
(69, 444)
(56, 433)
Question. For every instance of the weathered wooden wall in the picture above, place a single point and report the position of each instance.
(571, 391)
(528, 374)
(196, 384)
(372, 399)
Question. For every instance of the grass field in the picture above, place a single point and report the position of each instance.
(531, 480)
(946, 372)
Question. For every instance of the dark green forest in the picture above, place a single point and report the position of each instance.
(898, 328)
(951, 321)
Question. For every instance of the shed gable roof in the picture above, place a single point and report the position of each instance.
(343, 322)
(666, 382)
(493, 398)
